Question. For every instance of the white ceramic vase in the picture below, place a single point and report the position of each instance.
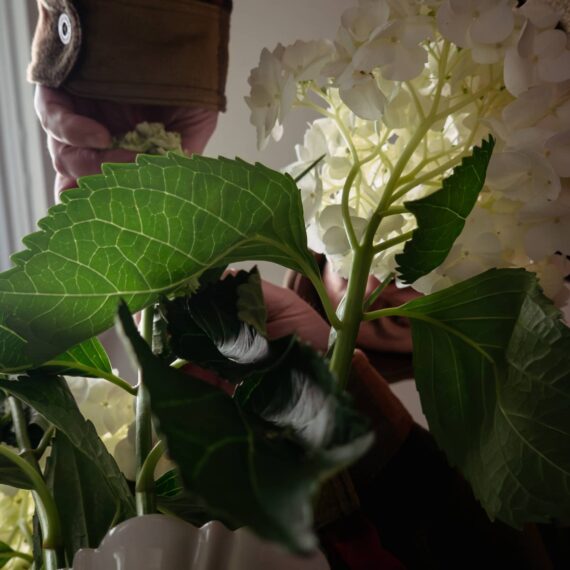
(158, 542)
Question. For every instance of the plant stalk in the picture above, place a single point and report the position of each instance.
(346, 337)
(145, 500)
(47, 509)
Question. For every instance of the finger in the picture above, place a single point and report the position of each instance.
(63, 183)
(57, 115)
(74, 162)
(288, 314)
(195, 125)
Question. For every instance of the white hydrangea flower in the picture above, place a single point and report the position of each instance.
(273, 91)
(16, 508)
(551, 272)
(107, 406)
(305, 60)
(541, 56)
(507, 73)
(541, 13)
(484, 26)
(547, 227)
(544, 106)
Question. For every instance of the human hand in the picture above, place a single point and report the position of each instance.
(80, 130)
(288, 314)
(391, 334)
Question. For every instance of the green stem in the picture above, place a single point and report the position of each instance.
(402, 312)
(392, 242)
(179, 363)
(346, 337)
(94, 373)
(47, 509)
(145, 477)
(21, 432)
(145, 500)
(324, 298)
(22, 555)
(45, 504)
(44, 442)
(378, 291)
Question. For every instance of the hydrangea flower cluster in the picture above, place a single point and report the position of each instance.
(16, 511)
(405, 91)
(111, 410)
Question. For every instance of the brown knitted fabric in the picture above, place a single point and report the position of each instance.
(168, 52)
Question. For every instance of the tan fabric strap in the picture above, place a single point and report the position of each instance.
(170, 52)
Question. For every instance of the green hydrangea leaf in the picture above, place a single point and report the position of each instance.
(84, 359)
(86, 505)
(441, 215)
(222, 328)
(492, 366)
(135, 232)
(51, 397)
(246, 470)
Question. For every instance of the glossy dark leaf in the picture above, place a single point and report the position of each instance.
(85, 504)
(441, 215)
(248, 472)
(222, 328)
(51, 397)
(492, 365)
(11, 475)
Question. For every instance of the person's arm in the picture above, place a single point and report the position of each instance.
(104, 66)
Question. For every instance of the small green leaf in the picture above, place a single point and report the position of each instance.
(221, 328)
(136, 232)
(89, 353)
(441, 215)
(11, 475)
(248, 472)
(492, 364)
(51, 397)
(86, 506)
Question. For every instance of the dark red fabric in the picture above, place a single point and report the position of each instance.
(354, 543)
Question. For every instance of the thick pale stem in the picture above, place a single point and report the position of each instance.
(145, 500)
(346, 338)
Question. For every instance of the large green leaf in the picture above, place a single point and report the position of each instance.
(492, 365)
(85, 505)
(441, 215)
(90, 353)
(51, 397)
(248, 472)
(137, 231)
